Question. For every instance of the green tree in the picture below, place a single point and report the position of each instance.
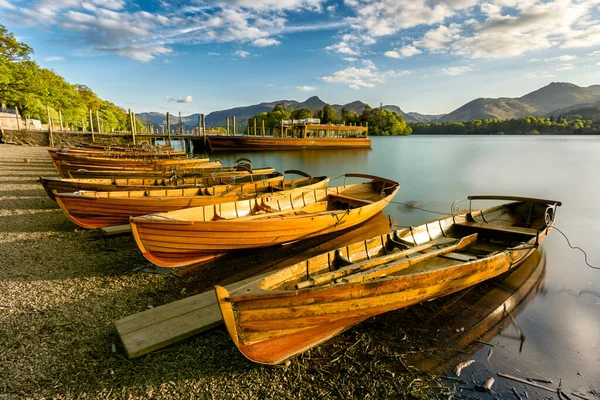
(302, 113)
(329, 115)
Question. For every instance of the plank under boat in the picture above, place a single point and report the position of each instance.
(185, 237)
(92, 210)
(294, 309)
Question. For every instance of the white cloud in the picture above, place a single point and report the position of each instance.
(594, 53)
(350, 59)
(409, 50)
(387, 17)
(5, 4)
(559, 58)
(187, 99)
(264, 42)
(343, 48)
(212, 53)
(53, 59)
(357, 78)
(566, 67)
(392, 54)
(439, 39)
(242, 53)
(140, 53)
(306, 88)
(454, 71)
(539, 75)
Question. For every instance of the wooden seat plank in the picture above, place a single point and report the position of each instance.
(499, 228)
(161, 326)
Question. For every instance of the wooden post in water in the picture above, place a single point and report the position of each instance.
(234, 126)
(50, 136)
(255, 126)
(227, 124)
(97, 123)
(60, 121)
(91, 123)
(281, 130)
(263, 127)
(199, 123)
(18, 118)
(133, 127)
(168, 129)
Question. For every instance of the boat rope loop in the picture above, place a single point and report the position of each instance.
(576, 248)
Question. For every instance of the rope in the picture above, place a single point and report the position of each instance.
(576, 248)
(417, 208)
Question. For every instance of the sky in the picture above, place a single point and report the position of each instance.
(200, 56)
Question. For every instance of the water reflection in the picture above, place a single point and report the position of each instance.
(463, 323)
(561, 328)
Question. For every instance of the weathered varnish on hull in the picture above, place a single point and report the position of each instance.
(69, 169)
(93, 210)
(228, 143)
(177, 175)
(120, 153)
(303, 305)
(191, 234)
(69, 185)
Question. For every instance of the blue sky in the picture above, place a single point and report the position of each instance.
(202, 56)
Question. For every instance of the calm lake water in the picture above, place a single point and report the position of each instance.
(561, 323)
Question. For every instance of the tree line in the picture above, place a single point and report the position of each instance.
(30, 88)
(380, 122)
(516, 126)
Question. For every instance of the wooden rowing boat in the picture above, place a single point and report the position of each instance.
(294, 309)
(108, 158)
(187, 236)
(90, 152)
(93, 210)
(65, 168)
(151, 181)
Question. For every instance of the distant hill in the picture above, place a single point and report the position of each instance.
(584, 111)
(538, 103)
(242, 114)
(425, 117)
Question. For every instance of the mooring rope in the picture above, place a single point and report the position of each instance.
(417, 208)
(576, 248)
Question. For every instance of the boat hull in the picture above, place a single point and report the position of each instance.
(228, 143)
(101, 209)
(290, 311)
(193, 240)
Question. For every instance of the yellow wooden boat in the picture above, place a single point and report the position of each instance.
(65, 168)
(116, 153)
(155, 180)
(187, 236)
(294, 309)
(93, 210)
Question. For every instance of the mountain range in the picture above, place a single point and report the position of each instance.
(557, 98)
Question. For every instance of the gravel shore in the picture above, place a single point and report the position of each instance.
(61, 289)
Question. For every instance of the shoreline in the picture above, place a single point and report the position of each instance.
(61, 289)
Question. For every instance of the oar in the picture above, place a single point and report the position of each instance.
(387, 269)
(367, 264)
